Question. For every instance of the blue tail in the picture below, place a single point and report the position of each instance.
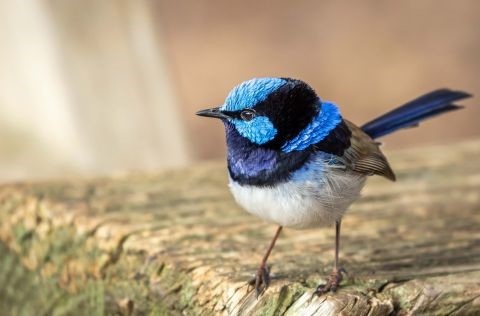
(410, 114)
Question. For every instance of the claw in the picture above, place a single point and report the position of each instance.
(261, 281)
(333, 282)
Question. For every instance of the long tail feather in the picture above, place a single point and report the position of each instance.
(410, 114)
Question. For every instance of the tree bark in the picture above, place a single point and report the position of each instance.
(176, 242)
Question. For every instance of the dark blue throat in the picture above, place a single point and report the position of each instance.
(251, 164)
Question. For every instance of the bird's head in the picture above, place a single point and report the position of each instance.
(276, 113)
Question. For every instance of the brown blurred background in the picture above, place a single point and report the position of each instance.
(97, 87)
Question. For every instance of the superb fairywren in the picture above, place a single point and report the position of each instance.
(293, 160)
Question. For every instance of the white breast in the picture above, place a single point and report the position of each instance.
(306, 202)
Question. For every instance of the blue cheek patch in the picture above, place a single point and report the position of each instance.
(259, 130)
(327, 119)
(251, 92)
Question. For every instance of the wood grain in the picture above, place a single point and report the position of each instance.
(176, 242)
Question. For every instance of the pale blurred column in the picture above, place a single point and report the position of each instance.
(84, 89)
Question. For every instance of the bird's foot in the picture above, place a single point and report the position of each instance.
(333, 282)
(261, 281)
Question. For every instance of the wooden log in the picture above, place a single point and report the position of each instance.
(177, 243)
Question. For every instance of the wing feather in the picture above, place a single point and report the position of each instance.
(364, 155)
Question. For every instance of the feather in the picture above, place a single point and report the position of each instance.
(364, 155)
(410, 114)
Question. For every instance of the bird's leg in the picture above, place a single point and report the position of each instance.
(262, 278)
(336, 276)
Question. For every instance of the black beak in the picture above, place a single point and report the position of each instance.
(213, 112)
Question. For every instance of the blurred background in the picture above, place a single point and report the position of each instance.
(98, 87)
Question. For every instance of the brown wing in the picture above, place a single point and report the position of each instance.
(364, 155)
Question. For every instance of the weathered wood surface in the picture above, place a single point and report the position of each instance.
(177, 243)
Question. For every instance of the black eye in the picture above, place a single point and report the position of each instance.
(248, 115)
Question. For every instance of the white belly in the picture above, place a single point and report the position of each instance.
(303, 203)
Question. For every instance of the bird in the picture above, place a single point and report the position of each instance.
(296, 162)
